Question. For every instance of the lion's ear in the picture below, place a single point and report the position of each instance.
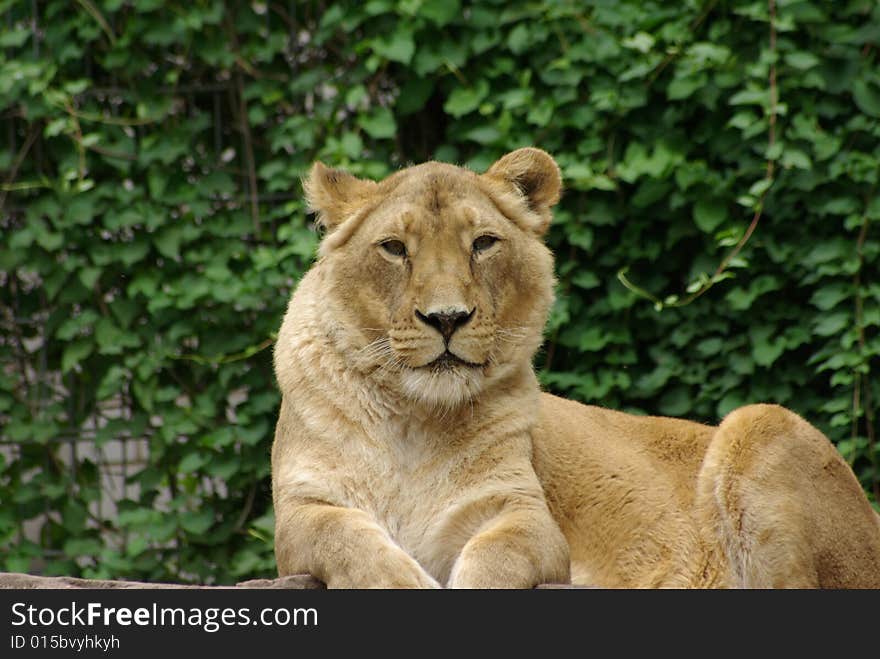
(334, 194)
(534, 175)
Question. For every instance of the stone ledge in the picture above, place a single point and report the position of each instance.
(28, 581)
(17, 580)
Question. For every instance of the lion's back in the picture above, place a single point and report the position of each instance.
(621, 487)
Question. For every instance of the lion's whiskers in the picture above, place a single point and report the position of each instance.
(511, 334)
(375, 349)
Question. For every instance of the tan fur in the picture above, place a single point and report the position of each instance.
(390, 470)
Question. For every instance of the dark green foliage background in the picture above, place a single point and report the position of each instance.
(152, 227)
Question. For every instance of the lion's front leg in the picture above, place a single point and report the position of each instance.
(521, 548)
(344, 548)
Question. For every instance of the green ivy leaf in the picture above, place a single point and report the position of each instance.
(196, 523)
(192, 462)
(379, 125)
(440, 12)
(796, 158)
(766, 348)
(641, 41)
(399, 46)
(709, 214)
(75, 352)
(802, 60)
(464, 100)
(866, 94)
(155, 227)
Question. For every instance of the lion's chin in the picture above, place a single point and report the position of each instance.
(442, 388)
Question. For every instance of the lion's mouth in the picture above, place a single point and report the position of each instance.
(450, 360)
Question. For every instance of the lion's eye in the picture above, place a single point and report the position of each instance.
(394, 247)
(483, 243)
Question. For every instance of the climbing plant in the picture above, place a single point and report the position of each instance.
(716, 244)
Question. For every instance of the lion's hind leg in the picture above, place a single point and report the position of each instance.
(783, 507)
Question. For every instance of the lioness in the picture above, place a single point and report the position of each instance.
(414, 447)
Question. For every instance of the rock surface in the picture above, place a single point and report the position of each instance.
(18, 580)
(29, 581)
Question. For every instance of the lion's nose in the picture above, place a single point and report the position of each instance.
(447, 321)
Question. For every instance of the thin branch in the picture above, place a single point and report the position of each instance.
(99, 17)
(551, 344)
(282, 13)
(756, 218)
(859, 380)
(226, 359)
(252, 71)
(78, 140)
(246, 510)
(101, 119)
(856, 403)
(670, 57)
(23, 185)
(245, 127)
(248, 151)
(111, 154)
(22, 153)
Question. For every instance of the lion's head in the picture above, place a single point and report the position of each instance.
(439, 282)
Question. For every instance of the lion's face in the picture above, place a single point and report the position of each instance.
(438, 278)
